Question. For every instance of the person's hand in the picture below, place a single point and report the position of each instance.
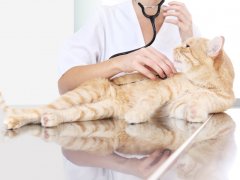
(147, 61)
(183, 18)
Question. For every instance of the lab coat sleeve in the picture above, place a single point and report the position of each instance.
(84, 47)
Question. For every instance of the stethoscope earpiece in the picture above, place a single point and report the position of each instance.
(152, 19)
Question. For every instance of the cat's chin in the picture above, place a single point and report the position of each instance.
(178, 65)
(179, 69)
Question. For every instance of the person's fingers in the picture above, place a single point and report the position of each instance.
(170, 64)
(179, 15)
(183, 18)
(172, 21)
(164, 156)
(176, 3)
(179, 8)
(143, 70)
(163, 62)
(184, 26)
(155, 160)
(154, 66)
(148, 165)
(181, 25)
(151, 60)
(149, 160)
(184, 12)
(154, 60)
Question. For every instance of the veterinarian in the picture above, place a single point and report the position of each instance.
(127, 26)
(99, 48)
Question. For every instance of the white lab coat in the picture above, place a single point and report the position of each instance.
(113, 29)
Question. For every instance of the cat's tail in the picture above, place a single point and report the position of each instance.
(3, 106)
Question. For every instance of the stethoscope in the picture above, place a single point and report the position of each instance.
(152, 19)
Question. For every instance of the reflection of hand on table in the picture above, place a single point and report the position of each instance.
(146, 166)
(139, 167)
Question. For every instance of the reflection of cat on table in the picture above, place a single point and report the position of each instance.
(212, 158)
(115, 144)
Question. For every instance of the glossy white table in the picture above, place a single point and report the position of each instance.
(118, 151)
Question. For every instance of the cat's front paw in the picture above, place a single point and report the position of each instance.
(50, 134)
(138, 130)
(50, 119)
(133, 117)
(196, 114)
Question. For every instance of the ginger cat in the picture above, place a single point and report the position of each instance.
(203, 85)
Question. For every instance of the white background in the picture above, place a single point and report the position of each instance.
(32, 31)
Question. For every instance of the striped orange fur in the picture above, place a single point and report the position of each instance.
(203, 85)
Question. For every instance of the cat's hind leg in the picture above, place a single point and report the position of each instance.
(92, 111)
(91, 91)
(19, 119)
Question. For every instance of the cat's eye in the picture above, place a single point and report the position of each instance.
(187, 45)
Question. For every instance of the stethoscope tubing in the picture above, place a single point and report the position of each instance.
(152, 19)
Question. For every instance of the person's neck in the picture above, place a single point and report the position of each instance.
(146, 3)
(149, 2)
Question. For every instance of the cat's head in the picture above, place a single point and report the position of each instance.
(198, 51)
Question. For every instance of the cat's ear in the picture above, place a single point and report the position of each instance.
(215, 46)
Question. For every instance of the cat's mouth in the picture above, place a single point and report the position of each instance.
(176, 56)
(177, 59)
(177, 62)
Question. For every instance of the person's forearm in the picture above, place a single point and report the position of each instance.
(77, 75)
(147, 61)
